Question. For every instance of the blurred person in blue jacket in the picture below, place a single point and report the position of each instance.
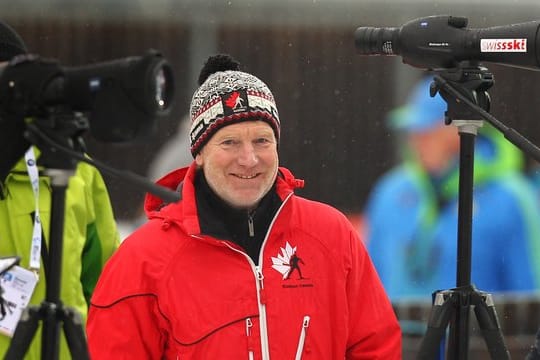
(412, 212)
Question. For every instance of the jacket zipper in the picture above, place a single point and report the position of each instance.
(261, 298)
(260, 287)
(262, 314)
(302, 340)
(249, 325)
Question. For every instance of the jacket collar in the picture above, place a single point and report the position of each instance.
(185, 210)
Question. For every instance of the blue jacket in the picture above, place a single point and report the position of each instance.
(412, 225)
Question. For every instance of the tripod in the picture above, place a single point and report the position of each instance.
(59, 139)
(51, 311)
(534, 352)
(452, 307)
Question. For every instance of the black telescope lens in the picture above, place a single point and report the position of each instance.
(375, 40)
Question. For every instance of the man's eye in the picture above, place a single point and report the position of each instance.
(262, 141)
(228, 142)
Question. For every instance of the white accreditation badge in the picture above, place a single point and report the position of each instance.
(17, 285)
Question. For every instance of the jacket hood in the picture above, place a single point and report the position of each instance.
(171, 181)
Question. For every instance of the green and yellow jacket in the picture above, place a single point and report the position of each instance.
(90, 236)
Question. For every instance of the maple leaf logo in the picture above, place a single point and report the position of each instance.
(234, 101)
(286, 262)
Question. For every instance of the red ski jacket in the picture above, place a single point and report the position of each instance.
(171, 292)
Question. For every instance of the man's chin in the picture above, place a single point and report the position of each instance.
(245, 201)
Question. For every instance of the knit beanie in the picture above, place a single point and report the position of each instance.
(11, 44)
(11, 136)
(228, 96)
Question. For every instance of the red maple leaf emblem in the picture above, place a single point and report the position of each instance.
(233, 101)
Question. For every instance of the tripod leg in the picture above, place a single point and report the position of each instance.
(534, 353)
(75, 336)
(24, 333)
(488, 321)
(458, 343)
(438, 321)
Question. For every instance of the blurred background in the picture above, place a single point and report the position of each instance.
(332, 102)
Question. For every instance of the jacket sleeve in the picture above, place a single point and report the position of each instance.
(374, 329)
(102, 237)
(126, 318)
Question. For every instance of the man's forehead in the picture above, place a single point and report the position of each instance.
(246, 126)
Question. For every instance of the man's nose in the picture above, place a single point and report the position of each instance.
(247, 155)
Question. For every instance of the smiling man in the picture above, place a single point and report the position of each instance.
(240, 163)
(209, 277)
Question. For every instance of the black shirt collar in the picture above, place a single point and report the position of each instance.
(218, 219)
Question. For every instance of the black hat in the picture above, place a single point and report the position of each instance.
(11, 133)
(11, 44)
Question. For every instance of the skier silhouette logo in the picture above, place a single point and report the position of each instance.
(294, 265)
(234, 102)
(287, 262)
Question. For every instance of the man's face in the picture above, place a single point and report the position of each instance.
(240, 162)
(436, 148)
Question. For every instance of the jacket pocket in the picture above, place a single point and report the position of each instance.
(249, 338)
(302, 339)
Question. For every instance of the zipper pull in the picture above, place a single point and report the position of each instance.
(260, 278)
(250, 225)
(259, 273)
(249, 325)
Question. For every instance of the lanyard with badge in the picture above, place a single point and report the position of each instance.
(18, 283)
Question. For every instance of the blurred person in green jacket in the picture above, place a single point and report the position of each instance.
(90, 234)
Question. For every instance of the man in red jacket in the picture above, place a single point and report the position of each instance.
(208, 277)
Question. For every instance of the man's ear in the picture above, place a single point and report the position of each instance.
(199, 159)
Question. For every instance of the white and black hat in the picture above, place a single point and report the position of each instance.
(228, 96)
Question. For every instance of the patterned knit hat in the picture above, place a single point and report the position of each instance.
(228, 96)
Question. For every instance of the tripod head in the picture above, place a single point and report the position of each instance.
(62, 128)
(472, 82)
(465, 91)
